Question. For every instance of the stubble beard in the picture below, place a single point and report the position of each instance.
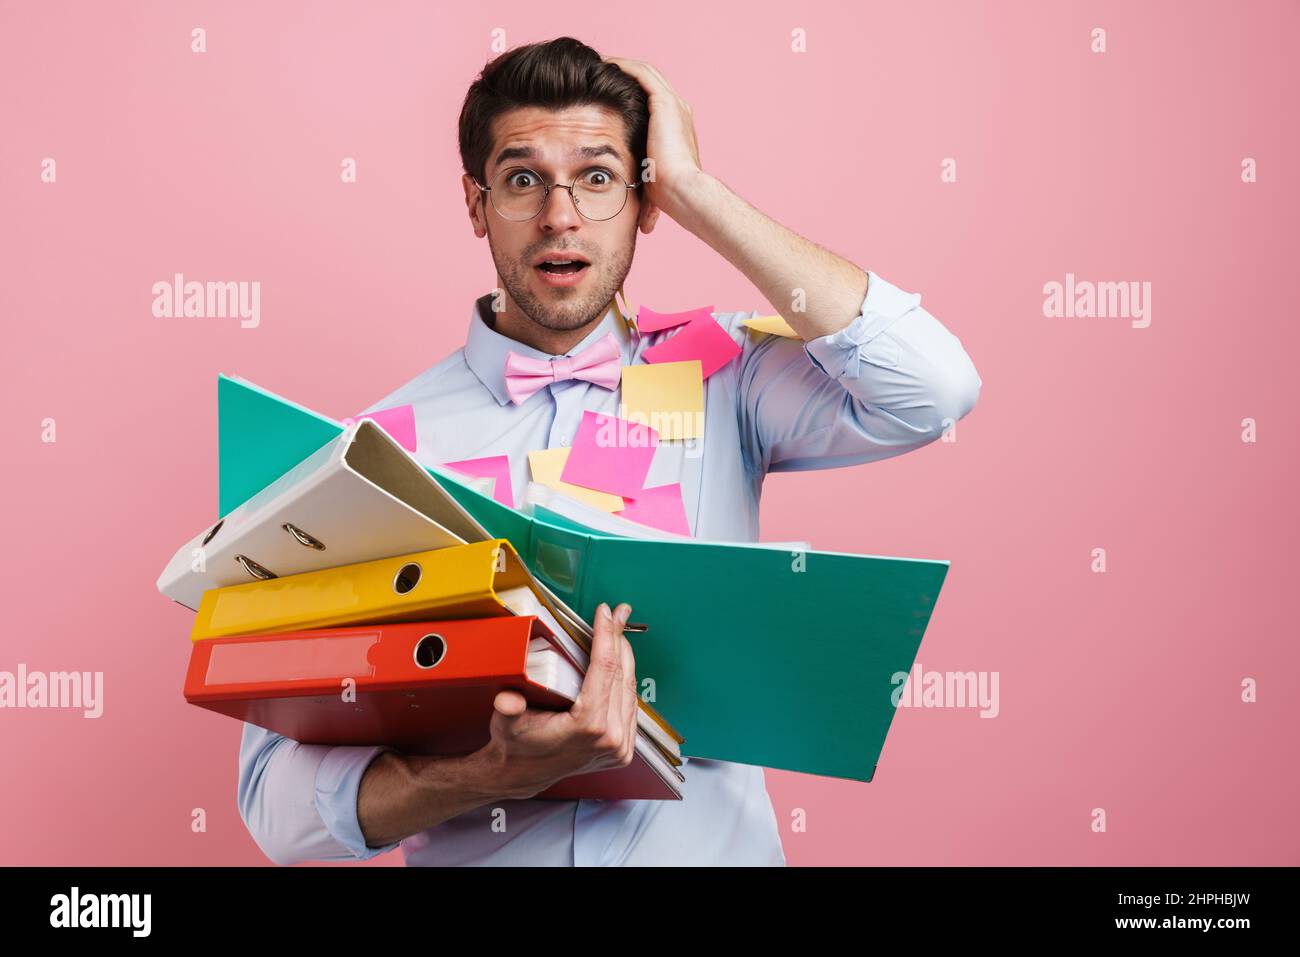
(576, 309)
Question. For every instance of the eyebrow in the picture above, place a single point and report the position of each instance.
(585, 152)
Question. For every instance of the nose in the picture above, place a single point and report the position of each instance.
(559, 213)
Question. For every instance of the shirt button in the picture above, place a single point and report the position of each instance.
(564, 441)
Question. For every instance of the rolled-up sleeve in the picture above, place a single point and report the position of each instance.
(299, 801)
(889, 382)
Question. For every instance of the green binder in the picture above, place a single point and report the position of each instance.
(756, 655)
(257, 433)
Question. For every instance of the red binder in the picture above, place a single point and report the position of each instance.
(420, 687)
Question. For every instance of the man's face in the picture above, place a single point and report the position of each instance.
(560, 145)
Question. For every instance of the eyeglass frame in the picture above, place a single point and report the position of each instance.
(557, 185)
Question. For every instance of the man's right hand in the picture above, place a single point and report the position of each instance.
(531, 749)
(400, 795)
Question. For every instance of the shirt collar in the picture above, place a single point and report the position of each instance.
(485, 348)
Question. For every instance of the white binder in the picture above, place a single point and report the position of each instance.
(358, 498)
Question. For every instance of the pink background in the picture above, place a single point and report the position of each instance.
(1119, 691)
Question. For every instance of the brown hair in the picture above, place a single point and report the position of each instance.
(554, 75)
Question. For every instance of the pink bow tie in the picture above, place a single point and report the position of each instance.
(600, 363)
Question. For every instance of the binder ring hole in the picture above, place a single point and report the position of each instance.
(430, 650)
(408, 576)
(212, 534)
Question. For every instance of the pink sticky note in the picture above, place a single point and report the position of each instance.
(399, 422)
(701, 338)
(647, 320)
(610, 454)
(494, 467)
(658, 507)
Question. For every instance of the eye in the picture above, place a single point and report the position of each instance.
(598, 176)
(521, 179)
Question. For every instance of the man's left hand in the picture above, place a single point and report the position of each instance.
(670, 143)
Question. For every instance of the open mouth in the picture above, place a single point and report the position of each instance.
(562, 267)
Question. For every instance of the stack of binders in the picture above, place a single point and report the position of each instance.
(353, 601)
(333, 535)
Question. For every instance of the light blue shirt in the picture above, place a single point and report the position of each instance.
(891, 381)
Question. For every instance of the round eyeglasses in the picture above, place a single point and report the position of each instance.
(518, 193)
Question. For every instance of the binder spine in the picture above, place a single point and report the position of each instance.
(557, 557)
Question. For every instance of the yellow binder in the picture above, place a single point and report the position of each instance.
(459, 581)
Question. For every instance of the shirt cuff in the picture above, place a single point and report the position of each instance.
(338, 779)
(840, 354)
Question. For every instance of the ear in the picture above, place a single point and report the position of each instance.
(476, 204)
(648, 216)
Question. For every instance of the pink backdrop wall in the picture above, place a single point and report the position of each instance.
(1119, 690)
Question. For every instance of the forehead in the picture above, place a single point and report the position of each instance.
(571, 136)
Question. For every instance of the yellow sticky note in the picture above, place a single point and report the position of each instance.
(546, 466)
(667, 396)
(774, 325)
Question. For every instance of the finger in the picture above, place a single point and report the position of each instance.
(510, 717)
(621, 615)
(633, 703)
(593, 696)
(663, 80)
(616, 713)
(650, 75)
(510, 704)
(653, 84)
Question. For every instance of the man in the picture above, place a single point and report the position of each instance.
(553, 140)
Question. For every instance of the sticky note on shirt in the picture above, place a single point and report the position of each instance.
(701, 338)
(773, 325)
(667, 396)
(647, 320)
(659, 507)
(610, 454)
(494, 467)
(398, 422)
(546, 466)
